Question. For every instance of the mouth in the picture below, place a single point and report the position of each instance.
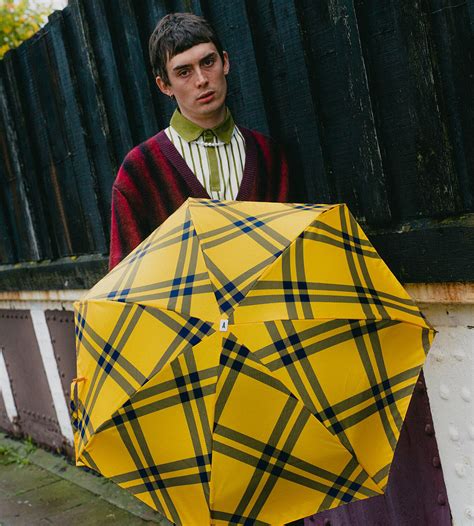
(207, 96)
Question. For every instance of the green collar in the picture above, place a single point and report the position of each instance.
(190, 131)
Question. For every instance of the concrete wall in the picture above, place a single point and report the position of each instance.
(449, 374)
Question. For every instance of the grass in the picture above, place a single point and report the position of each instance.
(19, 456)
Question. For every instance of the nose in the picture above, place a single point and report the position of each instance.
(201, 79)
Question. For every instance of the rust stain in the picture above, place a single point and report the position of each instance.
(41, 295)
(6, 157)
(57, 193)
(12, 295)
(441, 292)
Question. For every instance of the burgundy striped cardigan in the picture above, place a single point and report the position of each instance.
(154, 181)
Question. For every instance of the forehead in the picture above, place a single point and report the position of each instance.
(191, 56)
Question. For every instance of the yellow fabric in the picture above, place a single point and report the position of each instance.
(247, 362)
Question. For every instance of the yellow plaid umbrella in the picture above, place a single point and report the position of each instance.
(248, 363)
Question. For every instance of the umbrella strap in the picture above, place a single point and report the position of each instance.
(73, 404)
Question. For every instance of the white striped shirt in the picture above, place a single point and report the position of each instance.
(230, 161)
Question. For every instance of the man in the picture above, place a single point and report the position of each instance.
(202, 153)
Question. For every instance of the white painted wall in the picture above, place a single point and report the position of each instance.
(6, 390)
(45, 345)
(449, 374)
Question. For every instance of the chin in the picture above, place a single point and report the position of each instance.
(214, 106)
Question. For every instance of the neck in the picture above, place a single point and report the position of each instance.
(207, 121)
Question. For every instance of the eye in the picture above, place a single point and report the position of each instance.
(183, 73)
(209, 61)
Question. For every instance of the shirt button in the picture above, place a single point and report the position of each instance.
(208, 136)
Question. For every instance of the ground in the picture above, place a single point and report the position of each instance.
(40, 488)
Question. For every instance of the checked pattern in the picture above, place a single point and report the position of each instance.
(294, 404)
(113, 343)
(238, 243)
(330, 270)
(166, 271)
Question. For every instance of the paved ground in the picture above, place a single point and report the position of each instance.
(39, 488)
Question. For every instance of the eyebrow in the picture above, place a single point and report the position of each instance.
(184, 66)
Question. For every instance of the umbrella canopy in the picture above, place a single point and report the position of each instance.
(248, 363)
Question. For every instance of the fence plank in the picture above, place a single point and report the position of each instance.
(38, 146)
(339, 84)
(245, 96)
(7, 250)
(109, 80)
(97, 133)
(74, 232)
(16, 204)
(451, 29)
(291, 114)
(417, 155)
(470, 9)
(184, 6)
(148, 13)
(76, 160)
(54, 168)
(34, 209)
(131, 66)
(8, 253)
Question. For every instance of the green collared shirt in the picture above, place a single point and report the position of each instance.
(216, 156)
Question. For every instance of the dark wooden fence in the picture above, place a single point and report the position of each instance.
(373, 100)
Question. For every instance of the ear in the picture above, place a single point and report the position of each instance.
(164, 86)
(226, 62)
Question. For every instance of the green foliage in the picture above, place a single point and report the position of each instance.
(19, 20)
(11, 456)
(19, 456)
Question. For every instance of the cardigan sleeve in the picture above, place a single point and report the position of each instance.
(145, 192)
(129, 224)
(125, 231)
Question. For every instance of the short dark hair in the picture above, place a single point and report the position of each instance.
(176, 33)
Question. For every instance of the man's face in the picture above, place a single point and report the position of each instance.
(197, 81)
